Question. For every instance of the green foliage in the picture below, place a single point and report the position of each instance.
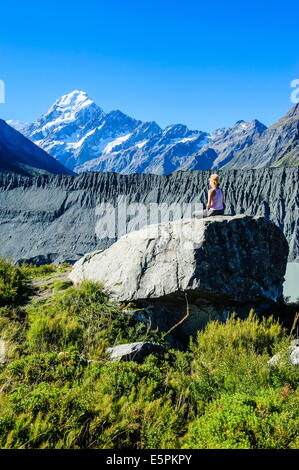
(15, 280)
(44, 270)
(267, 420)
(83, 319)
(14, 286)
(250, 335)
(219, 393)
(59, 285)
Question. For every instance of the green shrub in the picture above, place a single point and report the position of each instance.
(45, 367)
(252, 334)
(55, 332)
(268, 420)
(82, 318)
(120, 378)
(14, 284)
(59, 285)
(98, 406)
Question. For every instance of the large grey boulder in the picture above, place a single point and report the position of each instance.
(238, 259)
(133, 351)
(186, 273)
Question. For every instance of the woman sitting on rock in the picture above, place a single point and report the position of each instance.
(215, 204)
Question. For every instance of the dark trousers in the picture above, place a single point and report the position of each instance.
(207, 213)
(211, 212)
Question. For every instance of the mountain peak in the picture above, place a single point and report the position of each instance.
(119, 117)
(116, 113)
(176, 130)
(248, 126)
(258, 124)
(76, 98)
(82, 136)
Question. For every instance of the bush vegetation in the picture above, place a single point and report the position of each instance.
(14, 285)
(219, 393)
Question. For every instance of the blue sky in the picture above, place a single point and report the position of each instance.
(205, 64)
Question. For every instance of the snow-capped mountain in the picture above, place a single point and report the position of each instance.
(78, 133)
(62, 129)
(148, 149)
(19, 155)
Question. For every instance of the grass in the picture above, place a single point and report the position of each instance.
(219, 393)
(39, 272)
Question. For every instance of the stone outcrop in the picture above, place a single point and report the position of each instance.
(218, 264)
(59, 218)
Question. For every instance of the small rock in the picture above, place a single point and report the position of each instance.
(2, 351)
(293, 354)
(133, 351)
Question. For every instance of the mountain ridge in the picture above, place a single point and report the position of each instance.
(278, 146)
(77, 132)
(19, 154)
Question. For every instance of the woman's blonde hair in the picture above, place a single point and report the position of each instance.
(214, 180)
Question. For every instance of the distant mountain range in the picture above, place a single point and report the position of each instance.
(19, 155)
(277, 146)
(82, 137)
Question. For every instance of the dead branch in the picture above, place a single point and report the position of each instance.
(296, 318)
(182, 320)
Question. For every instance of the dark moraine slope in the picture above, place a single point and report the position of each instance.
(19, 155)
(53, 218)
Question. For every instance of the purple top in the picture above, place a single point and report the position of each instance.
(217, 201)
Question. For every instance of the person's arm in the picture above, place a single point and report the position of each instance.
(211, 194)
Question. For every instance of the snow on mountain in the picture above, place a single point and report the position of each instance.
(66, 123)
(18, 125)
(162, 152)
(78, 133)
